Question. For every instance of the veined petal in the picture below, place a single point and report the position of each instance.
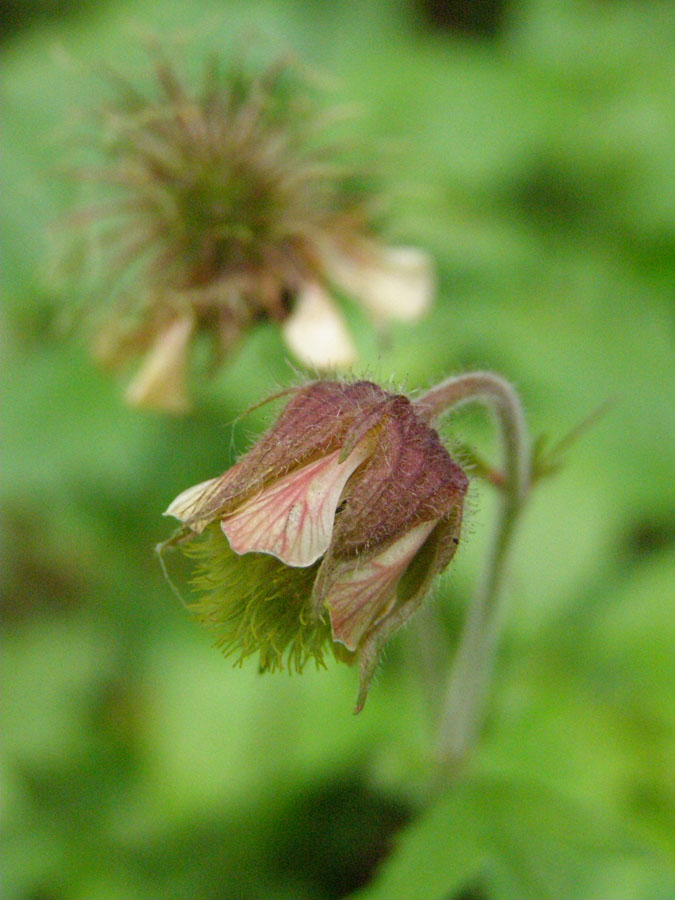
(362, 593)
(316, 332)
(160, 382)
(187, 502)
(398, 283)
(293, 517)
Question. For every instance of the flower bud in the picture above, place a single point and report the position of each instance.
(328, 532)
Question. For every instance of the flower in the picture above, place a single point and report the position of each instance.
(328, 532)
(229, 205)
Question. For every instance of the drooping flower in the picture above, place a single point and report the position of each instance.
(328, 533)
(229, 205)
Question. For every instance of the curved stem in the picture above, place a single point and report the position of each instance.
(469, 679)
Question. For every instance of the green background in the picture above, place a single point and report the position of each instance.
(536, 165)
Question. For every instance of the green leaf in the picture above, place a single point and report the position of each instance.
(512, 841)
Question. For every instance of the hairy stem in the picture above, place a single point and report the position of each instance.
(466, 693)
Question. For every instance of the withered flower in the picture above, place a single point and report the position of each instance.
(229, 205)
(328, 532)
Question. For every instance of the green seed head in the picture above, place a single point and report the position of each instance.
(257, 604)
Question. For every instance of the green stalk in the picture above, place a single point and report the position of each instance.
(470, 675)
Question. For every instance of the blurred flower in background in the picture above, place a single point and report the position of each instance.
(229, 205)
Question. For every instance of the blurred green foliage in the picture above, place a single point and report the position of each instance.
(137, 762)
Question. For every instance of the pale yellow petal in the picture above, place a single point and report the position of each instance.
(187, 503)
(160, 383)
(396, 283)
(316, 332)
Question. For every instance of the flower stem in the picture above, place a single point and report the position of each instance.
(467, 689)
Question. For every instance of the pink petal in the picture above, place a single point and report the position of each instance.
(363, 593)
(293, 517)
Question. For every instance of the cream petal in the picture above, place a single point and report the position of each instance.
(160, 382)
(397, 283)
(363, 593)
(187, 503)
(316, 332)
(293, 517)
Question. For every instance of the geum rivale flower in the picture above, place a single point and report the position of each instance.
(328, 532)
(225, 205)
